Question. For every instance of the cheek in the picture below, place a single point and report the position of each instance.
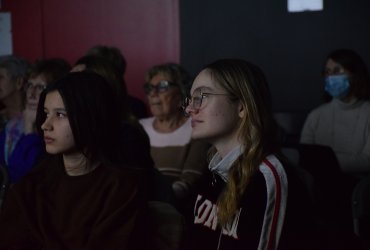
(171, 102)
(67, 132)
(223, 119)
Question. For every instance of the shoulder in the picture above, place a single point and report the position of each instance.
(366, 106)
(123, 180)
(271, 168)
(129, 174)
(147, 122)
(320, 109)
(43, 174)
(134, 131)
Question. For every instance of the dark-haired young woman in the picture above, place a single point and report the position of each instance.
(82, 196)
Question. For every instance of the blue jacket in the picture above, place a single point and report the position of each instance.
(26, 153)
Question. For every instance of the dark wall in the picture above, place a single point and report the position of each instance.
(289, 47)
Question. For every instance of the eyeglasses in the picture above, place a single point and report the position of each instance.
(161, 87)
(196, 100)
(37, 87)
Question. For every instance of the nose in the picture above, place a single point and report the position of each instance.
(153, 91)
(32, 90)
(189, 110)
(46, 126)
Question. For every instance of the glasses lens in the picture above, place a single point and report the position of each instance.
(163, 86)
(40, 87)
(197, 101)
(28, 85)
(37, 87)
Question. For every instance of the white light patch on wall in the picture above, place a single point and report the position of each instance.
(305, 5)
(5, 34)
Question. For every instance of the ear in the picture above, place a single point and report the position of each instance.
(19, 83)
(241, 110)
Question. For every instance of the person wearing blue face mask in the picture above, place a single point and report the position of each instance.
(337, 85)
(343, 122)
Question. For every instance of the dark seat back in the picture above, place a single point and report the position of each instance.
(361, 208)
(4, 183)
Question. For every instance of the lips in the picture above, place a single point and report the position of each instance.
(194, 123)
(155, 103)
(48, 140)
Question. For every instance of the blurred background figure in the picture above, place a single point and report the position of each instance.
(118, 62)
(134, 138)
(20, 145)
(179, 160)
(13, 76)
(343, 123)
(104, 67)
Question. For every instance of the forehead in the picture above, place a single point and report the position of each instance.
(205, 82)
(159, 77)
(53, 100)
(332, 64)
(38, 79)
(332, 67)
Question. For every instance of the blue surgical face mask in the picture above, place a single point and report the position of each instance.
(337, 85)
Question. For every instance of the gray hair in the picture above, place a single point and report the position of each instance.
(176, 72)
(16, 67)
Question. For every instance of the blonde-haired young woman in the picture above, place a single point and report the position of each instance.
(243, 205)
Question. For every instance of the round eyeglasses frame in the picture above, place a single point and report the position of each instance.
(196, 101)
(161, 87)
(38, 87)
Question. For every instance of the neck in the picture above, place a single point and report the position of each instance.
(226, 144)
(347, 99)
(169, 124)
(77, 164)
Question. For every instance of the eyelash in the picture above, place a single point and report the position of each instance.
(58, 114)
(61, 115)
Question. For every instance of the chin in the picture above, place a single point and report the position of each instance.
(197, 135)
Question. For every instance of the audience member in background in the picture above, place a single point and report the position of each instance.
(180, 160)
(104, 67)
(13, 76)
(343, 123)
(118, 61)
(244, 203)
(134, 138)
(81, 197)
(20, 145)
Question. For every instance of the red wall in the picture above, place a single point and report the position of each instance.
(146, 31)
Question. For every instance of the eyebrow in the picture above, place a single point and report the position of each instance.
(202, 89)
(56, 109)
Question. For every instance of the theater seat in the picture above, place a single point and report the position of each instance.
(361, 209)
(4, 183)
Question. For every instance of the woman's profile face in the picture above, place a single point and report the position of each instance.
(217, 117)
(34, 88)
(58, 135)
(164, 103)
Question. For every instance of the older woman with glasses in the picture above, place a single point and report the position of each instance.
(179, 160)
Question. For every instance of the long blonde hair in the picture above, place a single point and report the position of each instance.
(245, 83)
